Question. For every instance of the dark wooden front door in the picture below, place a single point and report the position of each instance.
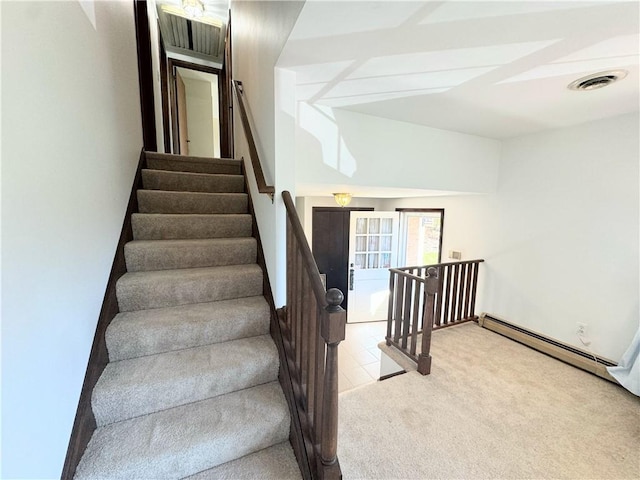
(330, 245)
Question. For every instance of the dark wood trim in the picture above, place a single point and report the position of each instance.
(430, 210)
(391, 375)
(342, 209)
(164, 86)
(85, 423)
(145, 75)
(173, 106)
(174, 63)
(226, 98)
(284, 376)
(253, 151)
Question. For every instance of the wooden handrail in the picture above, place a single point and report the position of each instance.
(424, 267)
(313, 325)
(253, 151)
(428, 297)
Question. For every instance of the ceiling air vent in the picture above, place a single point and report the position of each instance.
(597, 80)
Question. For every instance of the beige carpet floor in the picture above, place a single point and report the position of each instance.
(491, 409)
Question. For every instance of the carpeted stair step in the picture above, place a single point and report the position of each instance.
(274, 463)
(158, 226)
(136, 387)
(180, 163)
(185, 440)
(147, 332)
(192, 182)
(168, 288)
(146, 255)
(162, 201)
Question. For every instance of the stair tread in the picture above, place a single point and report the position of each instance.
(169, 201)
(146, 332)
(193, 174)
(190, 242)
(166, 288)
(145, 255)
(185, 440)
(188, 158)
(139, 386)
(163, 226)
(273, 463)
(154, 179)
(169, 162)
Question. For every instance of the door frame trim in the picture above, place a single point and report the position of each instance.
(169, 92)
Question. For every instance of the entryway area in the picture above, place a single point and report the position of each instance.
(355, 248)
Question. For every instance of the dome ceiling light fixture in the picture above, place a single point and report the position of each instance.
(597, 80)
(342, 199)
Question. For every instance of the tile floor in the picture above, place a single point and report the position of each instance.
(359, 355)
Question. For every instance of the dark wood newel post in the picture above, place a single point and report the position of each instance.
(430, 289)
(333, 332)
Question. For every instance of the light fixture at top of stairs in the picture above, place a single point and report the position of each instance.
(342, 199)
(193, 8)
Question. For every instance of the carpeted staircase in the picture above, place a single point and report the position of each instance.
(191, 389)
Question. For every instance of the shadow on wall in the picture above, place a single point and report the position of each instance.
(320, 139)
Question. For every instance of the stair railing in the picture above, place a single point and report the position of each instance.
(312, 327)
(425, 298)
(253, 151)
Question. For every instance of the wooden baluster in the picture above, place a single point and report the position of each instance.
(398, 302)
(416, 316)
(431, 288)
(454, 293)
(290, 250)
(392, 278)
(463, 277)
(311, 357)
(333, 332)
(299, 315)
(447, 294)
(294, 305)
(439, 296)
(304, 337)
(474, 286)
(467, 295)
(406, 317)
(319, 362)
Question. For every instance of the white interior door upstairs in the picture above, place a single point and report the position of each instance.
(373, 249)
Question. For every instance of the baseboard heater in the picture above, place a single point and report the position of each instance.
(562, 351)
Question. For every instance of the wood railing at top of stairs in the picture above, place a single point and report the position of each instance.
(425, 298)
(312, 326)
(253, 150)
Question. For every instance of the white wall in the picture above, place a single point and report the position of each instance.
(259, 31)
(335, 146)
(199, 117)
(70, 143)
(566, 242)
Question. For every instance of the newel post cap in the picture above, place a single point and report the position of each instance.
(334, 322)
(431, 282)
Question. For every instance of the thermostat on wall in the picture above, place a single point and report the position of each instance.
(455, 255)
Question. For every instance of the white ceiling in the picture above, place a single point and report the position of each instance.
(494, 69)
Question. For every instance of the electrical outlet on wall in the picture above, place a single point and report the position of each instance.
(581, 331)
